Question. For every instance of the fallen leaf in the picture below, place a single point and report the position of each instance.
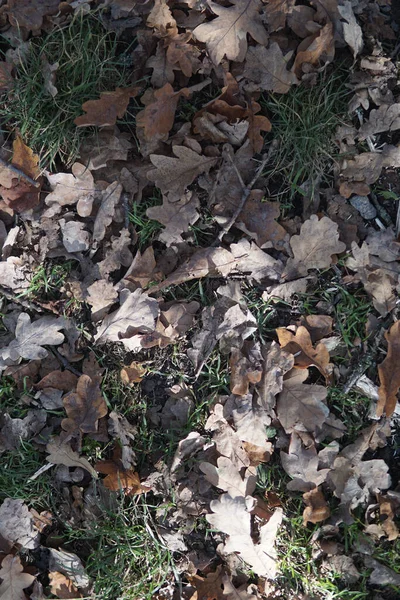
(387, 516)
(133, 373)
(385, 118)
(61, 453)
(267, 69)
(314, 246)
(137, 313)
(176, 216)
(173, 175)
(230, 515)
(389, 373)
(155, 122)
(74, 235)
(85, 406)
(18, 194)
(16, 524)
(258, 219)
(14, 580)
(317, 509)
(106, 212)
(105, 111)
(301, 464)
(68, 189)
(381, 574)
(254, 263)
(160, 17)
(15, 431)
(118, 478)
(318, 48)
(277, 11)
(302, 407)
(245, 369)
(226, 477)
(101, 296)
(227, 34)
(352, 31)
(70, 565)
(30, 337)
(62, 587)
(300, 345)
(21, 13)
(49, 75)
(142, 271)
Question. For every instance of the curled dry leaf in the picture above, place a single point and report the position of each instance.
(61, 453)
(389, 373)
(105, 111)
(227, 34)
(317, 509)
(14, 580)
(85, 406)
(133, 373)
(316, 49)
(305, 354)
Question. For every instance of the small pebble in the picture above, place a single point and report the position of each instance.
(364, 206)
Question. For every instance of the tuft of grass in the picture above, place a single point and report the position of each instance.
(88, 64)
(47, 281)
(304, 121)
(146, 228)
(126, 558)
(352, 408)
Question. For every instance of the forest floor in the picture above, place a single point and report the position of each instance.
(199, 278)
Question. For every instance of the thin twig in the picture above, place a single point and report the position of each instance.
(246, 190)
(19, 173)
(65, 363)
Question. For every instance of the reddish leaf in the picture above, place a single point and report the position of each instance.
(85, 406)
(389, 373)
(105, 111)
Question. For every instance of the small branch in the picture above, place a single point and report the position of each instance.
(246, 189)
(20, 174)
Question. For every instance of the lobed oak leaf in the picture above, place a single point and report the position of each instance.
(101, 296)
(258, 219)
(160, 17)
(175, 216)
(105, 111)
(301, 347)
(244, 371)
(70, 565)
(302, 465)
(142, 271)
(163, 71)
(227, 34)
(137, 312)
(352, 31)
(219, 586)
(256, 264)
(14, 580)
(317, 48)
(156, 120)
(277, 11)
(389, 373)
(385, 118)
(314, 246)
(85, 406)
(227, 477)
(132, 373)
(61, 453)
(30, 337)
(68, 188)
(62, 587)
(17, 525)
(118, 478)
(18, 194)
(267, 69)
(22, 13)
(106, 212)
(181, 55)
(173, 175)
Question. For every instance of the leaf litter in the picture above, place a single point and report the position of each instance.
(188, 144)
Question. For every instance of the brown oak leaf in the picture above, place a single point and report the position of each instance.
(14, 580)
(175, 216)
(267, 69)
(301, 347)
(389, 373)
(317, 509)
(105, 111)
(18, 193)
(85, 406)
(315, 49)
(227, 34)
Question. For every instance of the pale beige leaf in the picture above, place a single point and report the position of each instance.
(16, 524)
(137, 311)
(14, 579)
(173, 175)
(352, 31)
(267, 69)
(175, 216)
(384, 118)
(302, 407)
(61, 453)
(105, 215)
(30, 337)
(69, 188)
(226, 477)
(302, 465)
(101, 296)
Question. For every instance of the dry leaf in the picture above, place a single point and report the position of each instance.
(173, 175)
(31, 337)
(317, 509)
(256, 264)
(258, 219)
(301, 347)
(301, 464)
(62, 587)
(70, 565)
(14, 580)
(227, 34)
(155, 122)
(18, 194)
(267, 69)
(387, 516)
(314, 247)
(385, 118)
(106, 212)
(16, 524)
(314, 50)
(133, 373)
(101, 296)
(137, 313)
(118, 478)
(175, 216)
(105, 111)
(85, 406)
(142, 270)
(389, 373)
(302, 407)
(226, 477)
(75, 238)
(245, 369)
(22, 13)
(77, 187)
(61, 453)
(352, 32)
